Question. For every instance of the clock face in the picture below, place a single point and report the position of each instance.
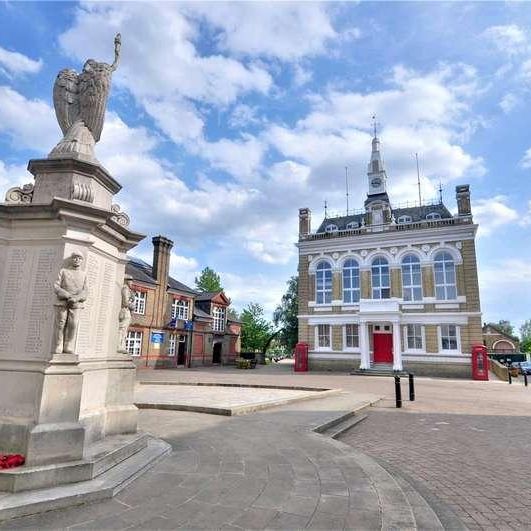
(376, 182)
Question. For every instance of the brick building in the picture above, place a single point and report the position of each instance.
(499, 342)
(173, 325)
(390, 288)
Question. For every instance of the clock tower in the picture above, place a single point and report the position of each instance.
(376, 172)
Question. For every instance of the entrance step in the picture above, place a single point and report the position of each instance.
(379, 369)
(99, 457)
(105, 486)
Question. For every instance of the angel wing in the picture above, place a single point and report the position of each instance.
(94, 89)
(65, 98)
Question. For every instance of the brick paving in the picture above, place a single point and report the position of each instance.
(479, 465)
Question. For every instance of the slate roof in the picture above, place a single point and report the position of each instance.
(206, 295)
(416, 214)
(200, 313)
(143, 272)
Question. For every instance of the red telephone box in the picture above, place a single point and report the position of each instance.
(301, 357)
(480, 363)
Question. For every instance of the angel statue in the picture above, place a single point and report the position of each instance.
(80, 101)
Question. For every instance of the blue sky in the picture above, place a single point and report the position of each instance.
(225, 118)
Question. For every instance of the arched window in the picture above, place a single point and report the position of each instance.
(444, 268)
(411, 278)
(404, 219)
(433, 215)
(380, 279)
(331, 228)
(323, 283)
(352, 225)
(351, 281)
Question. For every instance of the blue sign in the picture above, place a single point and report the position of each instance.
(173, 323)
(188, 325)
(157, 338)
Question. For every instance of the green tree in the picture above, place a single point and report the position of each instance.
(504, 326)
(208, 280)
(525, 336)
(285, 315)
(256, 329)
(233, 314)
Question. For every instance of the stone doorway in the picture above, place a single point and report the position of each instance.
(216, 352)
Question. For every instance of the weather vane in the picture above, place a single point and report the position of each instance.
(374, 124)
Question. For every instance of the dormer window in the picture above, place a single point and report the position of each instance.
(404, 219)
(331, 228)
(352, 225)
(433, 215)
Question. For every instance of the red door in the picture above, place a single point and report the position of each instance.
(383, 348)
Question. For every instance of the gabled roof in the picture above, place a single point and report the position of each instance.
(142, 272)
(498, 331)
(213, 296)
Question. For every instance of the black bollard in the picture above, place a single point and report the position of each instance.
(509, 375)
(525, 379)
(398, 392)
(411, 387)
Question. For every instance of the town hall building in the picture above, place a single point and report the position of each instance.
(390, 288)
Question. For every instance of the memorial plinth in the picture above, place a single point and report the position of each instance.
(52, 404)
(66, 384)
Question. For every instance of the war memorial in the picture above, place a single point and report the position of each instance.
(66, 384)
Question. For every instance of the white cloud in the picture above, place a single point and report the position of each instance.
(493, 213)
(509, 39)
(526, 159)
(283, 30)
(12, 175)
(243, 115)
(240, 158)
(509, 102)
(16, 63)
(29, 123)
(243, 289)
(301, 75)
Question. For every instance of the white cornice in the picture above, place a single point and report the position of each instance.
(381, 239)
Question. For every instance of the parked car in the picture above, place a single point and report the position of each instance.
(525, 367)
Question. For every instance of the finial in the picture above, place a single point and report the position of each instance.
(374, 125)
(440, 192)
(346, 184)
(326, 208)
(418, 178)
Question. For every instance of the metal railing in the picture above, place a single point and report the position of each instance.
(389, 227)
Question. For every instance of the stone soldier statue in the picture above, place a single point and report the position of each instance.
(71, 290)
(124, 318)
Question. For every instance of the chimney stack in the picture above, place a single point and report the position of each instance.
(161, 259)
(305, 222)
(462, 194)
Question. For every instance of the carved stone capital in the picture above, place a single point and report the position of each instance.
(120, 217)
(20, 194)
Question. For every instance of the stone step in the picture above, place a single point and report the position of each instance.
(333, 424)
(105, 486)
(99, 457)
(346, 425)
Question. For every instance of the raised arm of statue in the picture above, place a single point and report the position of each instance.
(117, 46)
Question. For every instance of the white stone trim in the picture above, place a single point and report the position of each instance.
(344, 338)
(443, 246)
(316, 338)
(412, 305)
(408, 350)
(457, 351)
(437, 358)
(447, 306)
(434, 236)
(457, 318)
(333, 356)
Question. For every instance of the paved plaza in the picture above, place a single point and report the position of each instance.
(219, 399)
(455, 457)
